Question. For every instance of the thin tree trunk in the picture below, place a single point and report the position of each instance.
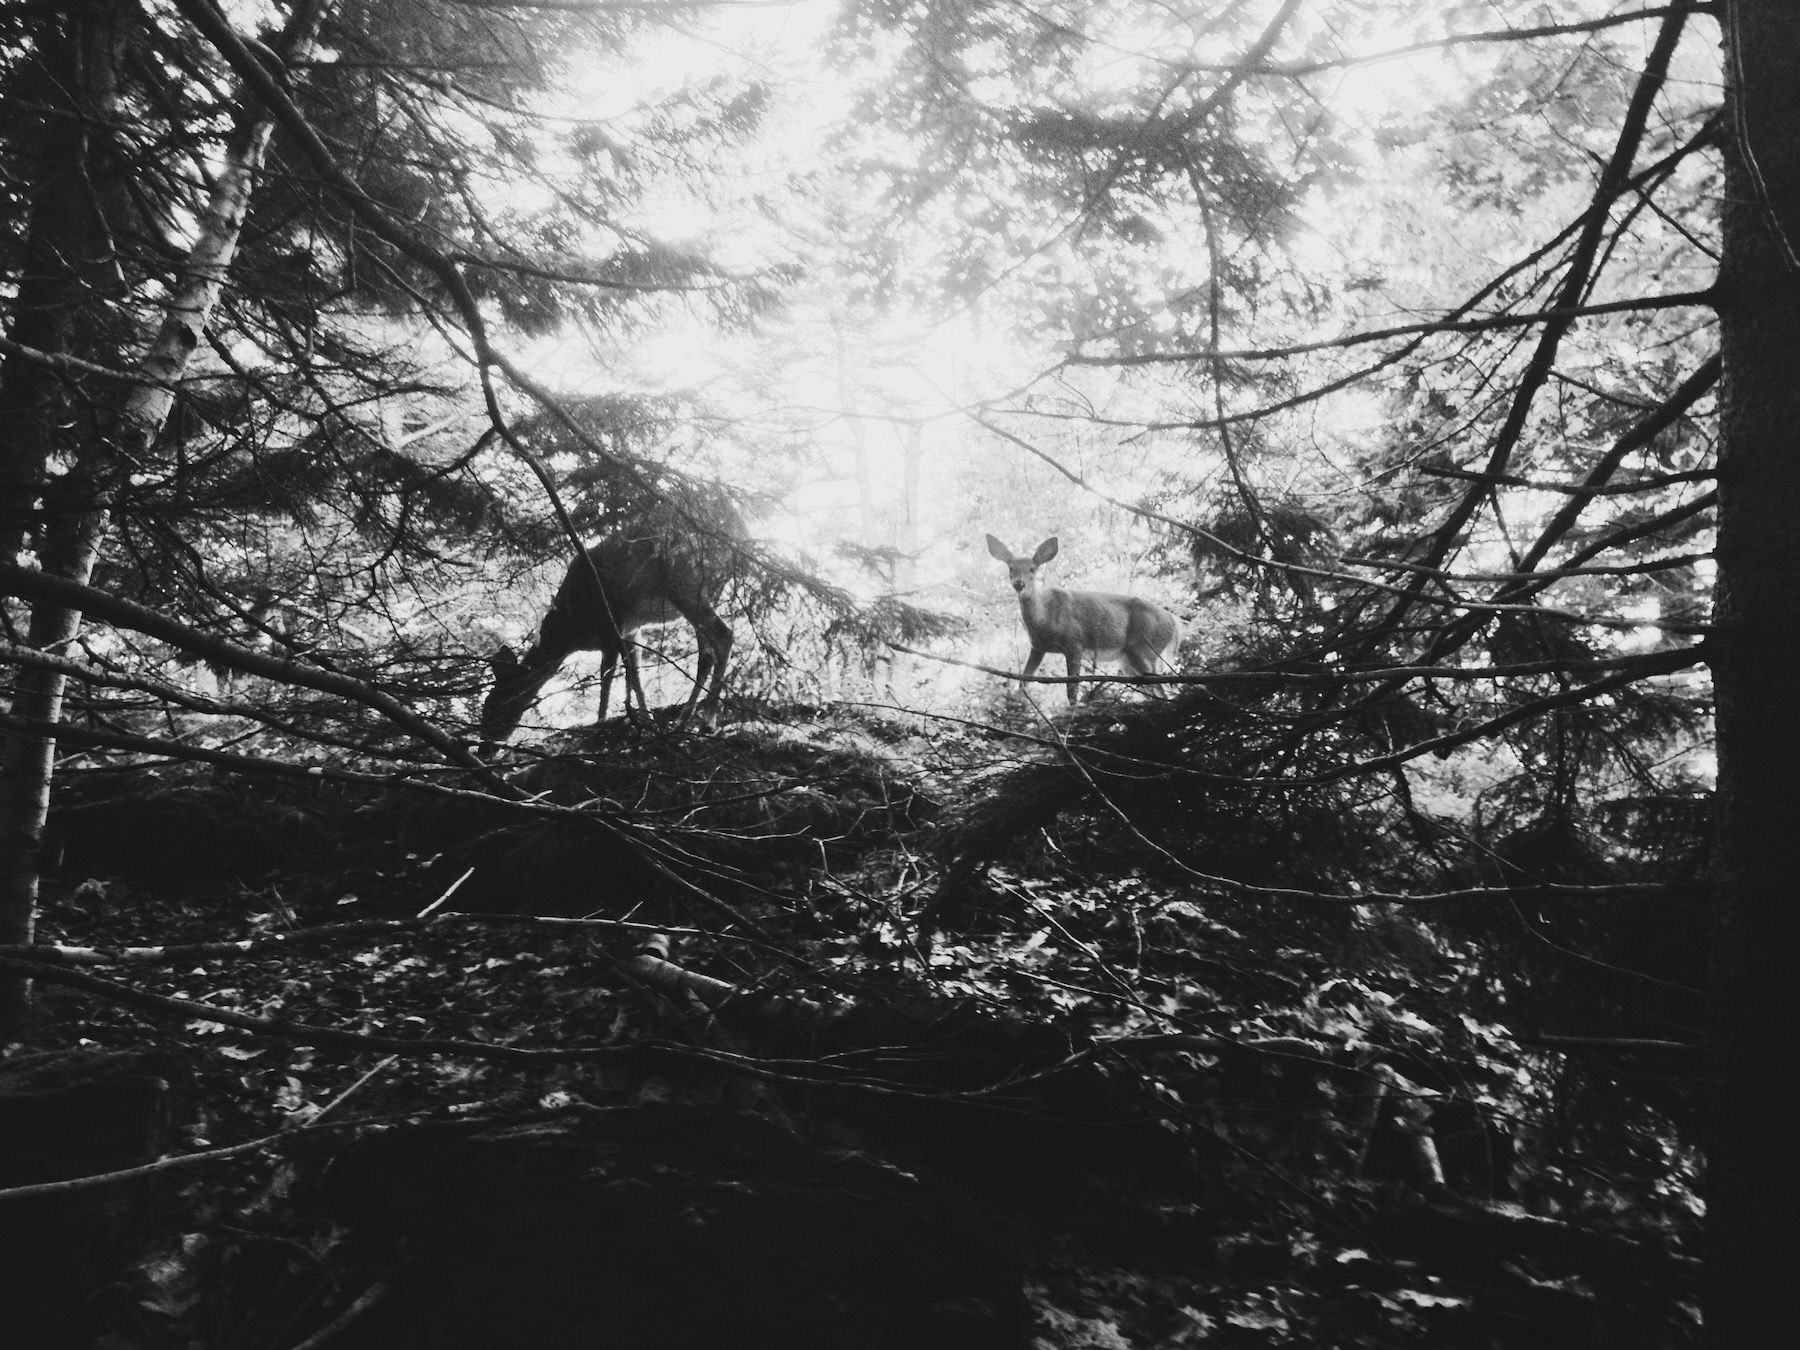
(869, 514)
(905, 577)
(1753, 1171)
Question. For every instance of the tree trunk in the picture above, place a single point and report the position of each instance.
(61, 305)
(874, 535)
(1753, 1174)
(84, 497)
(67, 257)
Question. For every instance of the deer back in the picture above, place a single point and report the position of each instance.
(623, 584)
(656, 571)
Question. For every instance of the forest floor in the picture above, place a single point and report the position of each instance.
(1127, 1110)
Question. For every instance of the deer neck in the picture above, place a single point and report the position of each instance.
(541, 661)
(542, 658)
(515, 690)
(1037, 605)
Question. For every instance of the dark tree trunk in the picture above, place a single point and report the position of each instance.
(68, 85)
(70, 273)
(1754, 1167)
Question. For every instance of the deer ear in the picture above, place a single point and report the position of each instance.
(1045, 551)
(998, 549)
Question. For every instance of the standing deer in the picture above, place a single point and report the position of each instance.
(1097, 624)
(645, 578)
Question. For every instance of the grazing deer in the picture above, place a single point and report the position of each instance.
(1096, 624)
(644, 578)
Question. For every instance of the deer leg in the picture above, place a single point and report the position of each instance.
(1141, 662)
(1072, 660)
(714, 637)
(712, 642)
(609, 664)
(1164, 661)
(703, 667)
(634, 688)
(1032, 662)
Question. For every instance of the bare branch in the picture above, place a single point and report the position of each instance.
(1560, 316)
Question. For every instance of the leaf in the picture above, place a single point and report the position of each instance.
(1258, 1319)
(1419, 1298)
